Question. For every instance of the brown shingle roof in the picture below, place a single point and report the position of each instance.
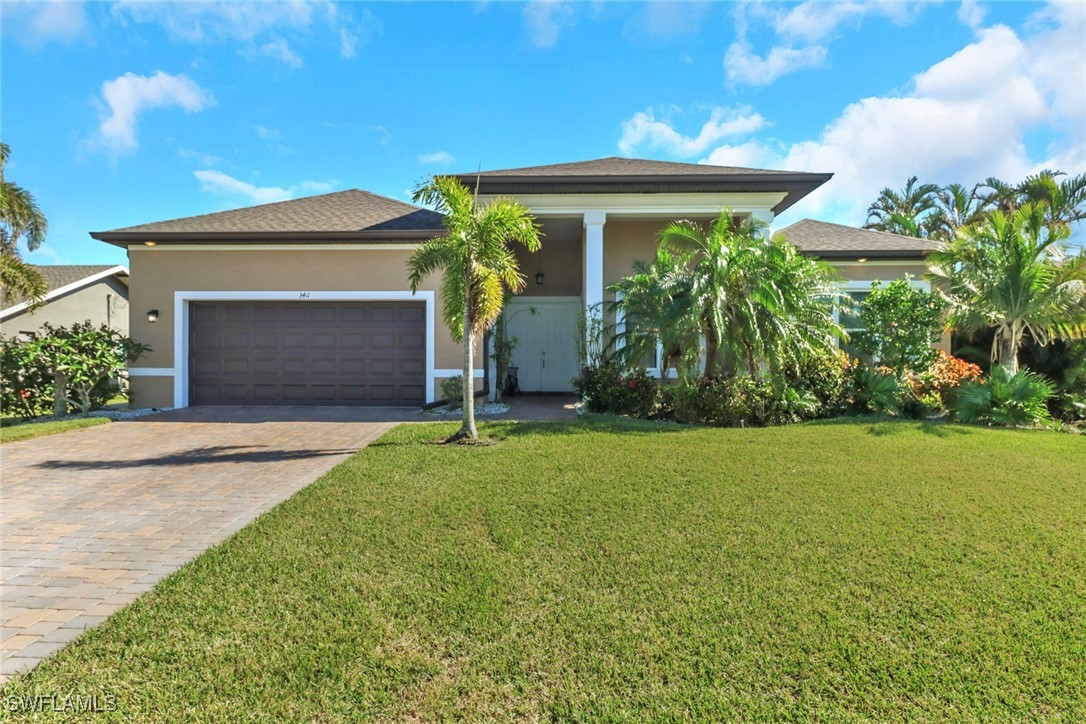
(640, 176)
(342, 215)
(824, 239)
(619, 166)
(61, 275)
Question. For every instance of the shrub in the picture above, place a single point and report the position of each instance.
(901, 323)
(26, 384)
(452, 389)
(609, 388)
(873, 390)
(937, 385)
(736, 401)
(825, 377)
(63, 367)
(1018, 399)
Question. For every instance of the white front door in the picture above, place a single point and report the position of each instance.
(546, 355)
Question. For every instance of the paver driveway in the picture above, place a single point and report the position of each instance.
(95, 517)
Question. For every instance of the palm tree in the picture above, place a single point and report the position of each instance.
(902, 212)
(654, 301)
(1012, 273)
(955, 207)
(20, 219)
(757, 301)
(1064, 197)
(478, 263)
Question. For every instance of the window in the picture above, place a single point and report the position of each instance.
(852, 323)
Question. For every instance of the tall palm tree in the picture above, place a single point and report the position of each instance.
(1013, 274)
(902, 212)
(757, 301)
(20, 220)
(955, 207)
(1064, 197)
(478, 263)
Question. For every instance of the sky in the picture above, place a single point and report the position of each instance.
(129, 112)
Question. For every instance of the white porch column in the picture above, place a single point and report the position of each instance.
(766, 217)
(593, 273)
(593, 259)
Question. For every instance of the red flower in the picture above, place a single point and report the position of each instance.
(24, 394)
(633, 383)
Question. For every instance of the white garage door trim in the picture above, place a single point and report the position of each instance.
(181, 323)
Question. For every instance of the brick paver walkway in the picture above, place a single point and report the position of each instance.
(95, 517)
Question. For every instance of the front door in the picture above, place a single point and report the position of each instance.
(546, 355)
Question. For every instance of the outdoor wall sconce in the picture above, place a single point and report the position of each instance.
(152, 316)
(539, 278)
(862, 259)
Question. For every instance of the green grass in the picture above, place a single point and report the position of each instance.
(10, 430)
(619, 571)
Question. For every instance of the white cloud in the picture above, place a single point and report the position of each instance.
(972, 13)
(744, 66)
(259, 24)
(802, 34)
(221, 184)
(36, 24)
(383, 135)
(279, 49)
(545, 19)
(267, 134)
(663, 21)
(644, 131)
(202, 158)
(438, 158)
(961, 120)
(128, 96)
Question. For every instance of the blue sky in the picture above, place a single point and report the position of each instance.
(123, 113)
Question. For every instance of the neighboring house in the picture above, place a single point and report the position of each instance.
(98, 294)
(307, 301)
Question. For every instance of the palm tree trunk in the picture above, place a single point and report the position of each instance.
(1008, 352)
(712, 344)
(467, 429)
(60, 398)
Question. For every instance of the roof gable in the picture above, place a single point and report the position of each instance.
(61, 279)
(620, 166)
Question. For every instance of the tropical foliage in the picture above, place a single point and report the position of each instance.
(940, 212)
(901, 323)
(1013, 273)
(64, 368)
(729, 301)
(20, 221)
(479, 266)
(1004, 398)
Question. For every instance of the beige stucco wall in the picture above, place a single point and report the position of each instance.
(561, 259)
(88, 303)
(156, 273)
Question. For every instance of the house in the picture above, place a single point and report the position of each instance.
(307, 301)
(98, 294)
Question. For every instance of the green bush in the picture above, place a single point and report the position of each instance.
(452, 389)
(873, 390)
(901, 323)
(739, 401)
(26, 384)
(84, 360)
(611, 389)
(1018, 399)
(825, 378)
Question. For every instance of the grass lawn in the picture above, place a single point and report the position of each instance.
(11, 430)
(605, 571)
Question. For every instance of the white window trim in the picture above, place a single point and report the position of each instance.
(182, 299)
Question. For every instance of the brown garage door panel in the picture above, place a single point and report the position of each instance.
(307, 353)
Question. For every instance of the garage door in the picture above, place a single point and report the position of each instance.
(307, 353)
